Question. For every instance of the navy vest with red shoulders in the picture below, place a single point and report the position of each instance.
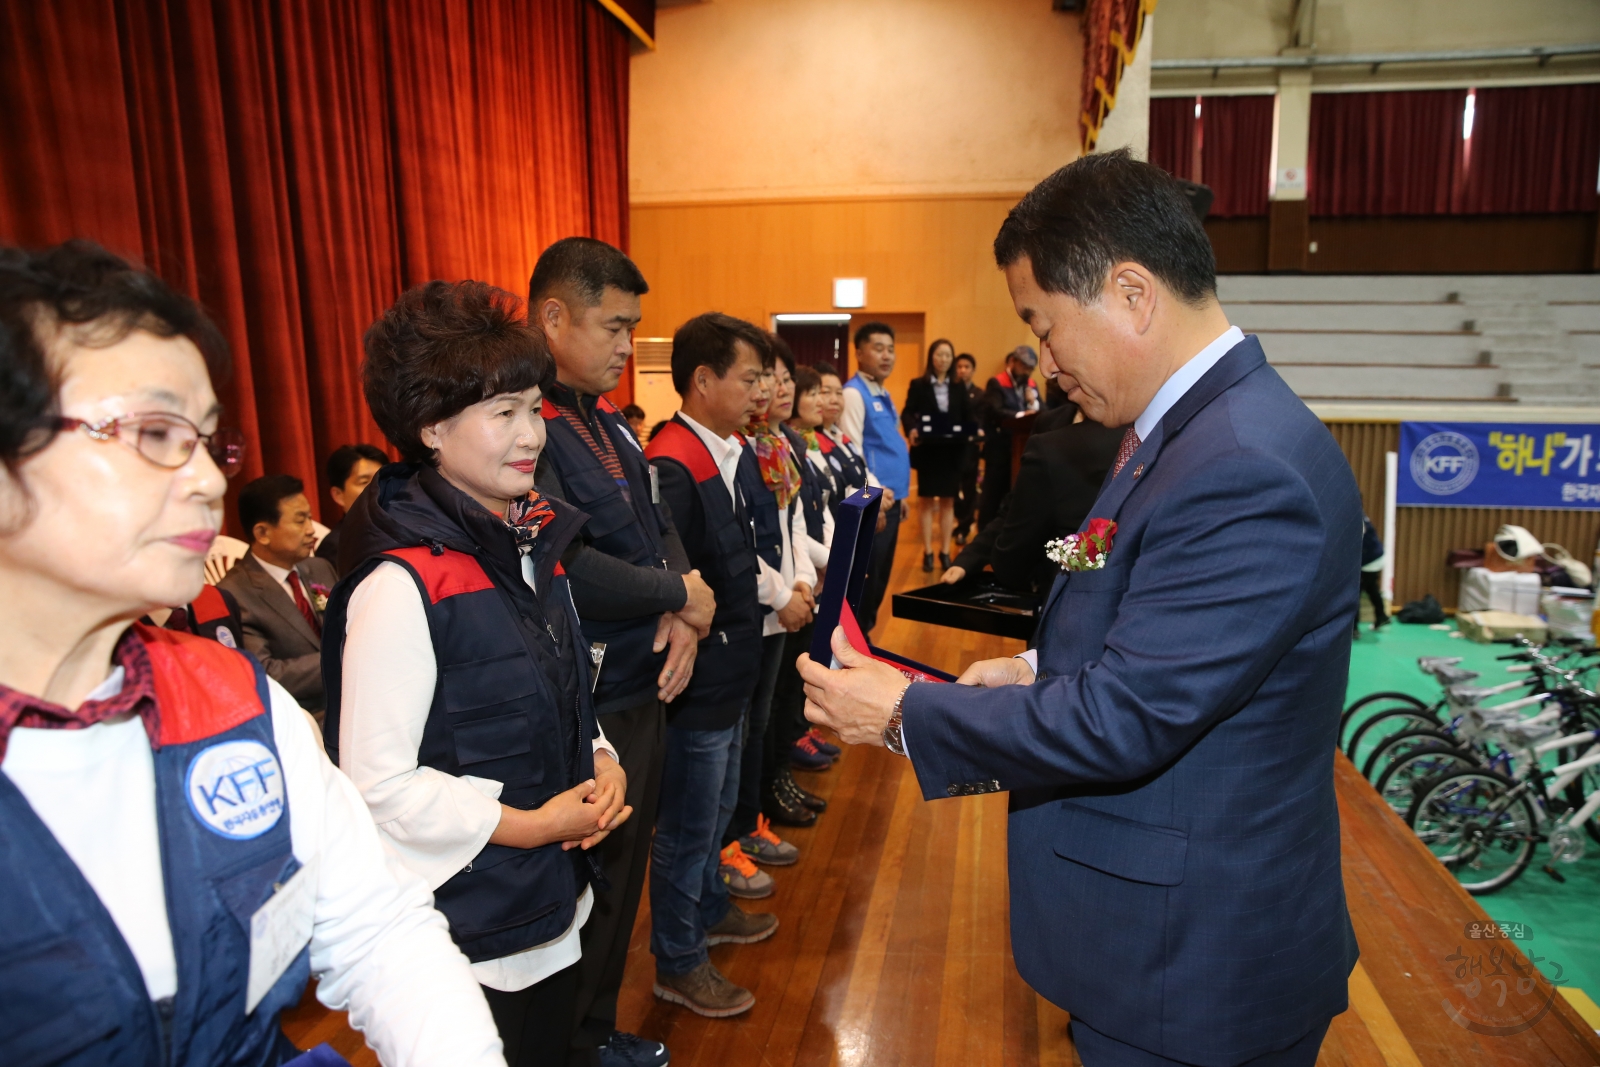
(719, 542)
(623, 522)
(71, 992)
(510, 703)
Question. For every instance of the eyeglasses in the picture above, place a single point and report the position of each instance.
(164, 439)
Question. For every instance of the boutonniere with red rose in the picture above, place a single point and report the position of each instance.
(319, 596)
(1084, 551)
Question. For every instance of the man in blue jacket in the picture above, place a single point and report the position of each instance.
(869, 417)
(1174, 840)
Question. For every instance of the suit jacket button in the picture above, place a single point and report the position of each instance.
(994, 785)
(953, 790)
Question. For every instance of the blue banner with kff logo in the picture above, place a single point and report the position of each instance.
(1499, 465)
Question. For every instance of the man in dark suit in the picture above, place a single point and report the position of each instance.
(1174, 840)
(1009, 394)
(1063, 467)
(281, 587)
(350, 469)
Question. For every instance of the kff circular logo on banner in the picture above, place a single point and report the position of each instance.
(1444, 463)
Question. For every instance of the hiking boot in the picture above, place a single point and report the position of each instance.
(824, 746)
(806, 756)
(741, 876)
(790, 789)
(785, 809)
(764, 846)
(629, 1050)
(740, 927)
(705, 991)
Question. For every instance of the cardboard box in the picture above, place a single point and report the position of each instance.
(1486, 626)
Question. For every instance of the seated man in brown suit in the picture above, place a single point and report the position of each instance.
(281, 587)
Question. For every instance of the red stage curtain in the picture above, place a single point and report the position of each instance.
(295, 164)
(1236, 153)
(1172, 129)
(1534, 150)
(1385, 153)
(1111, 31)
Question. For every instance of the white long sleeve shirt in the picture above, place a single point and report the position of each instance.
(435, 822)
(378, 947)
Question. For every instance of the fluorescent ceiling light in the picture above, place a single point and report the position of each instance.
(824, 317)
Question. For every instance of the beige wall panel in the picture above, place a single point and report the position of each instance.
(1217, 28)
(928, 255)
(774, 98)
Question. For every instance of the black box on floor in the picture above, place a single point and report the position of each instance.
(971, 604)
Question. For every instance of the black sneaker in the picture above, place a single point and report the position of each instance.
(927, 562)
(790, 789)
(630, 1050)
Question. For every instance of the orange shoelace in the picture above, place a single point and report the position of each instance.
(733, 856)
(764, 831)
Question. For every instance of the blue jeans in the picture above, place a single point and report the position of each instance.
(699, 788)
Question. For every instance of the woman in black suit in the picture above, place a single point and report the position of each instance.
(938, 420)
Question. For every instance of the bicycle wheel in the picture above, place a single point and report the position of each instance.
(1385, 724)
(1477, 827)
(1398, 745)
(1580, 789)
(1400, 780)
(1389, 700)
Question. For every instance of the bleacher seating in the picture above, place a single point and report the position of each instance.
(1531, 339)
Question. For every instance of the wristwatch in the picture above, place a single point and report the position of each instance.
(892, 739)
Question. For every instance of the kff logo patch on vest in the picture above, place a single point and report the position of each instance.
(236, 789)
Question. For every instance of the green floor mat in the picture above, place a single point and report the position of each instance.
(1564, 919)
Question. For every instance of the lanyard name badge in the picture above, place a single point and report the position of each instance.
(279, 929)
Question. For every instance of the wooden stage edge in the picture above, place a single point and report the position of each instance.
(894, 947)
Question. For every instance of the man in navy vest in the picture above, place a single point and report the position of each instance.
(869, 417)
(633, 588)
(1008, 396)
(1174, 839)
(717, 364)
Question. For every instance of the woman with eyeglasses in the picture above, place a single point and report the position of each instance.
(177, 856)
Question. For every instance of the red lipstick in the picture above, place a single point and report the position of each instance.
(526, 466)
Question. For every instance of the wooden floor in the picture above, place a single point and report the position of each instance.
(894, 946)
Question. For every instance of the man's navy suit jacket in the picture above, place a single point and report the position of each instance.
(1174, 842)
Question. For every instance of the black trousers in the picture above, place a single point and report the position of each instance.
(1372, 589)
(753, 756)
(788, 721)
(535, 1023)
(996, 476)
(879, 569)
(967, 499)
(639, 736)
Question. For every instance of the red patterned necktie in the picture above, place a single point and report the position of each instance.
(1130, 445)
(303, 604)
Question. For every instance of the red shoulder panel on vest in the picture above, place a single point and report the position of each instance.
(549, 412)
(605, 405)
(202, 688)
(677, 441)
(824, 443)
(208, 606)
(560, 569)
(450, 574)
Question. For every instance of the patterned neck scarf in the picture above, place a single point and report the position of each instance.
(776, 460)
(527, 517)
(812, 443)
(137, 697)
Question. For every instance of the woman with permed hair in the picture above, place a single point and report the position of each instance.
(458, 680)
